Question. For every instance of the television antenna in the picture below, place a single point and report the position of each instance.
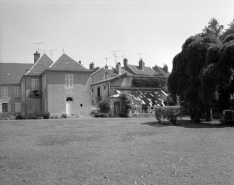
(139, 55)
(114, 54)
(38, 43)
(106, 59)
(51, 52)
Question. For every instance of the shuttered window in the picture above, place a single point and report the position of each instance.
(69, 80)
(4, 92)
(35, 84)
(17, 91)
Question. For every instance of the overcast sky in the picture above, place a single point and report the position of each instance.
(88, 30)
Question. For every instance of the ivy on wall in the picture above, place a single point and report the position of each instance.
(154, 82)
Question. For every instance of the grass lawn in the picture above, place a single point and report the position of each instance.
(93, 151)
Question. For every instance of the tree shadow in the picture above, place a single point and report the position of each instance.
(189, 124)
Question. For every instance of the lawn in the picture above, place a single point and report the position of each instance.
(93, 151)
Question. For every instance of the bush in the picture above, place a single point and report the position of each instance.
(32, 116)
(12, 117)
(126, 105)
(171, 113)
(46, 115)
(64, 115)
(101, 114)
(104, 106)
(19, 116)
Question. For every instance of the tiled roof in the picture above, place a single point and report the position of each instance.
(65, 63)
(138, 71)
(145, 97)
(11, 73)
(43, 63)
(160, 71)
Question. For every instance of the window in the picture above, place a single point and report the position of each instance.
(69, 80)
(98, 92)
(35, 84)
(4, 107)
(17, 107)
(4, 92)
(17, 91)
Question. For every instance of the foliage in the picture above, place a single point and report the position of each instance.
(231, 101)
(64, 115)
(171, 113)
(156, 82)
(32, 116)
(46, 115)
(228, 31)
(104, 106)
(171, 100)
(19, 116)
(212, 54)
(126, 104)
(212, 29)
(228, 38)
(100, 114)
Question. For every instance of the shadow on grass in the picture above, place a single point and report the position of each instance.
(189, 124)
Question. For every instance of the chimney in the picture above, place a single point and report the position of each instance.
(36, 57)
(91, 66)
(125, 62)
(106, 66)
(165, 68)
(141, 64)
(80, 62)
(118, 68)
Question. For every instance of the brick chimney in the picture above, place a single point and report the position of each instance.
(125, 62)
(165, 68)
(141, 64)
(36, 57)
(106, 66)
(91, 66)
(118, 68)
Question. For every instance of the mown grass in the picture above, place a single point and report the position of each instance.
(115, 151)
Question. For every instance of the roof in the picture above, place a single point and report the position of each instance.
(11, 73)
(140, 97)
(109, 79)
(65, 63)
(160, 71)
(138, 71)
(42, 63)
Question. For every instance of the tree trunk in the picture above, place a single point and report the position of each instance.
(209, 112)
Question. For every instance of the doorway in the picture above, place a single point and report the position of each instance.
(69, 106)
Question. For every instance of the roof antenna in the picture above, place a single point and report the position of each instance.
(63, 50)
(139, 55)
(38, 43)
(114, 54)
(51, 52)
(106, 59)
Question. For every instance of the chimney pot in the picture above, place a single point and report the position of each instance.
(141, 64)
(118, 68)
(36, 57)
(125, 62)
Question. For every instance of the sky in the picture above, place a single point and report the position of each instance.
(89, 30)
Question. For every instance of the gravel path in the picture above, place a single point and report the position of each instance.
(96, 151)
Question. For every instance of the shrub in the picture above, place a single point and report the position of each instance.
(32, 116)
(171, 113)
(64, 115)
(46, 115)
(126, 105)
(12, 117)
(19, 116)
(101, 114)
(104, 106)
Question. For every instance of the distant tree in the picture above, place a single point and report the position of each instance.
(228, 31)
(212, 29)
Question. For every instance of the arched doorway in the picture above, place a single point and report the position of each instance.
(69, 106)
